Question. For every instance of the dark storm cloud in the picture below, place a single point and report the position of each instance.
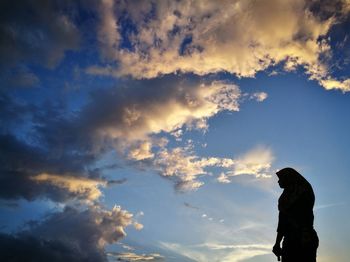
(30, 248)
(133, 110)
(20, 77)
(12, 113)
(35, 31)
(61, 146)
(30, 147)
(135, 116)
(20, 161)
(56, 147)
(70, 235)
(325, 9)
(52, 161)
(42, 139)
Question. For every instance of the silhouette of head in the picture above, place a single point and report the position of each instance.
(288, 177)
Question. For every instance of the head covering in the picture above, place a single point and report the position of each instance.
(296, 186)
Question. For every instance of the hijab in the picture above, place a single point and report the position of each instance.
(295, 187)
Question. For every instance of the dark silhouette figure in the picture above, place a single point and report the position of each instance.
(296, 218)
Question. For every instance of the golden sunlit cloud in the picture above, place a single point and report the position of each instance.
(182, 165)
(242, 37)
(83, 188)
(112, 223)
(134, 125)
(141, 151)
(223, 179)
(256, 162)
(259, 96)
(181, 106)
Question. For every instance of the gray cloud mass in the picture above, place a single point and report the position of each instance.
(70, 235)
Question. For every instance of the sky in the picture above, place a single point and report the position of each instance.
(152, 130)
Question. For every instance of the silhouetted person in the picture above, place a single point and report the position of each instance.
(296, 219)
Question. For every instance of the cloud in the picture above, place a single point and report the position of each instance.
(20, 77)
(139, 112)
(24, 248)
(84, 188)
(223, 179)
(108, 35)
(184, 251)
(259, 96)
(191, 206)
(216, 246)
(177, 134)
(132, 118)
(184, 167)
(37, 161)
(36, 31)
(126, 246)
(255, 162)
(241, 37)
(49, 151)
(202, 215)
(240, 252)
(12, 113)
(330, 83)
(116, 182)
(138, 226)
(318, 207)
(126, 257)
(74, 235)
(225, 252)
(94, 225)
(130, 115)
(30, 172)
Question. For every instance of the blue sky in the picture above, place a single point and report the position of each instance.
(152, 130)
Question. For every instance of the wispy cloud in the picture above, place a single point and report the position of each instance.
(219, 252)
(323, 206)
(182, 165)
(113, 256)
(191, 206)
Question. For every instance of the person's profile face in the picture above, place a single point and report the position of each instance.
(282, 182)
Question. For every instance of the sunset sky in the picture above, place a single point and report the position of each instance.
(152, 130)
